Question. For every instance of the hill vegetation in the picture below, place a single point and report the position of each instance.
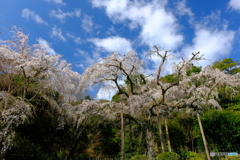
(45, 113)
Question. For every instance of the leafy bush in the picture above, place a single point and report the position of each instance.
(231, 158)
(196, 158)
(189, 154)
(168, 156)
(140, 157)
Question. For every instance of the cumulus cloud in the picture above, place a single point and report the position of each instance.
(113, 44)
(158, 26)
(56, 2)
(42, 42)
(213, 44)
(234, 4)
(28, 14)
(59, 14)
(212, 38)
(57, 32)
(160, 29)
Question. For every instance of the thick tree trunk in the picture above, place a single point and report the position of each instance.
(203, 137)
(167, 134)
(160, 132)
(150, 142)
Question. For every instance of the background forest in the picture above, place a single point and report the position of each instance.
(45, 113)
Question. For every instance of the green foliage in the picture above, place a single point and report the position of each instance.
(79, 101)
(194, 69)
(176, 128)
(88, 97)
(227, 65)
(37, 139)
(170, 78)
(222, 128)
(168, 156)
(110, 143)
(139, 157)
(235, 107)
(116, 98)
(228, 97)
(231, 158)
(25, 149)
(103, 101)
(197, 158)
(190, 154)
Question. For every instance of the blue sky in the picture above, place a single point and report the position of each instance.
(84, 31)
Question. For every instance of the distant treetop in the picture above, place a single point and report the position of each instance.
(228, 66)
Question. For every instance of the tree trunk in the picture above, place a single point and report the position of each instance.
(122, 136)
(167, 134)
(203, 137)
(160, 132)
(150, 142)
(130, 137)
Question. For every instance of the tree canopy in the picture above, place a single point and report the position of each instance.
(228, 65)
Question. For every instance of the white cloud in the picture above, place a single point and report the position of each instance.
(182, 9)
(77, 40)
(213, 44)
(46, 45)
(160, 29)
(212, 38)
(28, 14)
(59, 14)
(113, 44)
(105, 94)
(212, 22)
(111, 30)
(80, 53)
(86, 58)
(234, 4)
(56, 1)
(87, 23)
(57, 32)
(109, 90)
(158, 26)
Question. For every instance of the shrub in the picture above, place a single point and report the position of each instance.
(231, 158)
(196, 158)
(139, 157)
(189, 154)
(168, 156)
